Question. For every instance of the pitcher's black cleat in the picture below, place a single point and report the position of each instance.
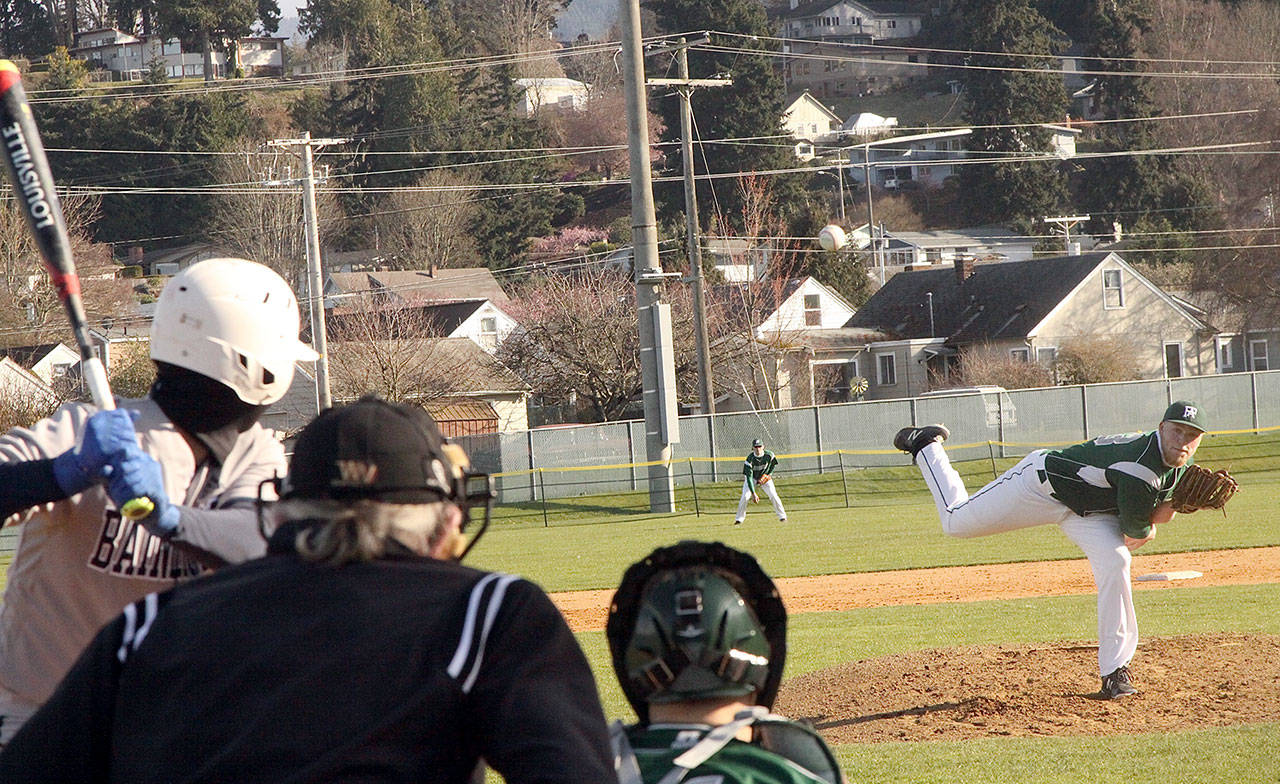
(913, 439)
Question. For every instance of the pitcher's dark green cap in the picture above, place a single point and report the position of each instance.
(1186, 412)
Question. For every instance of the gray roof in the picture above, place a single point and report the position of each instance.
(979, 235)
(457, 366)
(451, 284)
(998, 301)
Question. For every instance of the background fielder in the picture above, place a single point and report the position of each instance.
(224, 339)
(757, 472)
(1106, 494)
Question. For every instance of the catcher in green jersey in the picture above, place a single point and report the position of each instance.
(1107, 494)
(698, 636)
(757, 472)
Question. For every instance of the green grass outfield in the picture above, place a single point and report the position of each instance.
(892, 524)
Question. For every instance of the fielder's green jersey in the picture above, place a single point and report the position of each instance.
(1123, 475)
(757, 467)
(737, 763)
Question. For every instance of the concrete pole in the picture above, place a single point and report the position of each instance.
(648, 271)
(871, 217)
(705, 392)
(315, 281)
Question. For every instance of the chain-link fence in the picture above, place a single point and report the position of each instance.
(834, 455)
(581, 471)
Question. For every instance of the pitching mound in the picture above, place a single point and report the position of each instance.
(1186, 682)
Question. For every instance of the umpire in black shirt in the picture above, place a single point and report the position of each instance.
(357, 650)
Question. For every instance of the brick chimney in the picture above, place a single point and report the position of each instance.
(964, 268)
(135, 254)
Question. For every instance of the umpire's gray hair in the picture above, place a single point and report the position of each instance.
(347, 532)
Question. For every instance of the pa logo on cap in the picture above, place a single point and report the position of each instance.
(1189, 412)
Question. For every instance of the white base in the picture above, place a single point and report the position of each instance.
(1158, 576)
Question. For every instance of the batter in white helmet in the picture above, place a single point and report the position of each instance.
(224, 341)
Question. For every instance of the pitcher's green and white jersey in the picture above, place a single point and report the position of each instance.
(756, 467)
(1123, 475)
(657, 746)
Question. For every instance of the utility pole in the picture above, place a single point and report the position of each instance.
(684, 85)
(1066, 222)
(315, 280)
(657, 365)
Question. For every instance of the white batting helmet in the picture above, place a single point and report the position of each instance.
(234, 321)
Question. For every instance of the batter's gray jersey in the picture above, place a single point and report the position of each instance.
(78, 562)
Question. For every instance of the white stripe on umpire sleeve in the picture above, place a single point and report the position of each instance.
(152, 609)
(135, 633)
(130, 623)
(491, 612)
(468, 626)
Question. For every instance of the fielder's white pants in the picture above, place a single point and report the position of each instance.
(768, 489)
(1020, 499)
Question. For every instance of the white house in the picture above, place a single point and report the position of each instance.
(19, 385)
(805, 304)
(46, 361)
(904, 250)
(868, 124)
(128, 57)
(738, 260)
(548, 92)
(480, 320)
(853, 22)
(928, 162)
(809, 122)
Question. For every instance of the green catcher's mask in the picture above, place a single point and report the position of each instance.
(694, 621)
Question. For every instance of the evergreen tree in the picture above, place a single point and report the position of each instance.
(25, 30)
(1014, 94)
(401, 117)
(1142, 192)
(506, 221)
(750, 108)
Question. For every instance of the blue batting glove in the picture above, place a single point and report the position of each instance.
(106, 436)
(138, 475)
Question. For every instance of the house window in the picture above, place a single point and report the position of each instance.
(1046, 356)
(813, 310)
(1173, 360)
(1112, 289)
(1222, 348)
(489, 333)
(886, 370)
(1258, 355)
(1020, 354)
(833, 381)
(892, 23)
(933, 255)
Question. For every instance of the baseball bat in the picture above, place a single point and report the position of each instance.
(33, 191)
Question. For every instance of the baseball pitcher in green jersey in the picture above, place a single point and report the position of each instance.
(1107, 495)
(757, 472)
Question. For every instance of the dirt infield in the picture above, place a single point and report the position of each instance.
(1190, 681)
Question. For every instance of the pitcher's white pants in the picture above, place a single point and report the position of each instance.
(1020, 499)
(768, 489)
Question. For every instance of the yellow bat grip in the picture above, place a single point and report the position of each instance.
(137, 508)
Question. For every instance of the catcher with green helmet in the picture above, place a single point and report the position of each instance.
(697, 633)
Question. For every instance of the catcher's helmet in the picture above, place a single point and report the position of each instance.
(694, 621)
(234, 321)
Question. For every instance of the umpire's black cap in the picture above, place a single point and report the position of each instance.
(371, 449)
